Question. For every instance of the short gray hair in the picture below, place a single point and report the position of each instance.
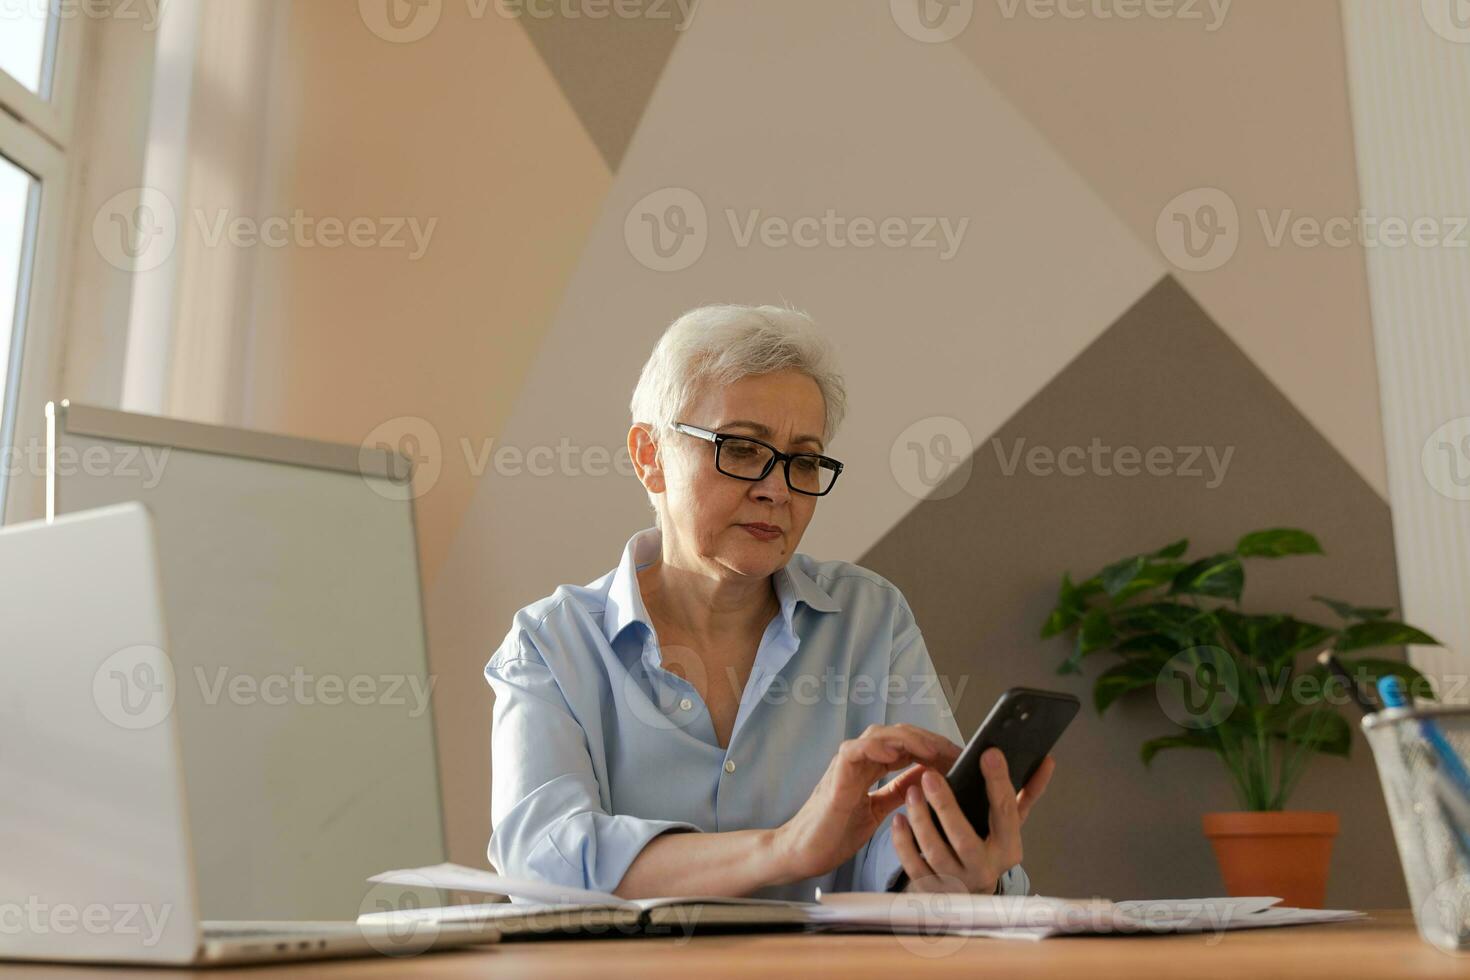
(722, 344)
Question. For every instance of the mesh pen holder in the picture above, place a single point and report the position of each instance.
(1430, 815)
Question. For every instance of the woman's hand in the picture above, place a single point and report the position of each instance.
(841, 814)
(965, 861)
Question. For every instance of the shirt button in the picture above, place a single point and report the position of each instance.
(729, 765)
(686, 704)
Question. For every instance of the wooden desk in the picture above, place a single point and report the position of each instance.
(1383, 946)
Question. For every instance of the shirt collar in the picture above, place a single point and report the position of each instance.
(624, 605)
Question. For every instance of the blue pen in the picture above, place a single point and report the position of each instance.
(1391, 690)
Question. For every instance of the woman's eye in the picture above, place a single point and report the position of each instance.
(805, 464)
(739, 449)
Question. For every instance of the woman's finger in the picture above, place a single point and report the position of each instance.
(859, 763)
(963, 841)
(922, 743)
(865, 752)
(879, 751)
(1034, 787)
(931, 843)
(1003, 846)
(890, 796)
(907, 850)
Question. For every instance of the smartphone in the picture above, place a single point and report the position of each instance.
(1024, 724)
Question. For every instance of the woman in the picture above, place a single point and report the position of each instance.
(711, 716)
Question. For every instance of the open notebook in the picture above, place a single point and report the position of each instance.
(555, 910)
(549, 909)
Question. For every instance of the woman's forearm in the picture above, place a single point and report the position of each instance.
(732, 863)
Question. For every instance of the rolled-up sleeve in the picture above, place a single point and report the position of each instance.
(915, 697)
(546, 809)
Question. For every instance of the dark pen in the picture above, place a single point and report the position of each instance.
(1327, 659)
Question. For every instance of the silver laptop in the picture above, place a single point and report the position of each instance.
(98, 864)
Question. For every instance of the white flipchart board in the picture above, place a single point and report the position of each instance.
(292, 599)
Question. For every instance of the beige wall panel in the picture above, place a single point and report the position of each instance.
(607, 59)
(465, 127)
(1249, 97)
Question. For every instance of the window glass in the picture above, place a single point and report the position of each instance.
(18, 198)
(25, 37)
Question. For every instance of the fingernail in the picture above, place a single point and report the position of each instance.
(914, 797)
(931, 780)
(900, 822)
(990, 758)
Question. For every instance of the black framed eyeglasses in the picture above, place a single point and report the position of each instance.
(750, 459)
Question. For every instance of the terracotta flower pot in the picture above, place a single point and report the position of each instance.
(1274, 852)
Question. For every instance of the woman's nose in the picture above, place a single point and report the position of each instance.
(773, 486)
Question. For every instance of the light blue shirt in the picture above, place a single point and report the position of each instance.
(597, 749)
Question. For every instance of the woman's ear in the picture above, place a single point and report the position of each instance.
(644, 450)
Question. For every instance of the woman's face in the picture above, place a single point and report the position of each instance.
(705, 513)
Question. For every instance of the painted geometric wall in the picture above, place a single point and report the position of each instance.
(1037, 177)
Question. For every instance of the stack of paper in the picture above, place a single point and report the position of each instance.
(1036, 916)
(544, 908)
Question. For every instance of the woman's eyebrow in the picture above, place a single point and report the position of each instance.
(765, 432)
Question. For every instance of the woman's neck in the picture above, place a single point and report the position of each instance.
(706, 606)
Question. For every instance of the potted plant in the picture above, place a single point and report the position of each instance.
(1231, 683)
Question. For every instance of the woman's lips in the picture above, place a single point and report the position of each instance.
(764, 532)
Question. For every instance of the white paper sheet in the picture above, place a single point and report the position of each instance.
(1036, 917)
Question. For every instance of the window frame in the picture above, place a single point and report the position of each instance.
(53, 114)
(35, 135)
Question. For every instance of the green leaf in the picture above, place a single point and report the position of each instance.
(1277, 543)
(1220, 576)
(1349, 611)
(1116, 681)
(1117, 575)
(1153, 647)
(1319, 729)
(1096, 632)
(1071, 605)
(1151, 577)
(1370, 669)
(1271, 640)
(1185, 625)
(1289, 699)
(1172, 551)
(1382, 633)
(1184, 740)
